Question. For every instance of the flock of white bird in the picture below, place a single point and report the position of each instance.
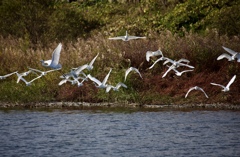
(78, 76)
(184, 63)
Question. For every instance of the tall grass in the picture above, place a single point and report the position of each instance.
(202, 51)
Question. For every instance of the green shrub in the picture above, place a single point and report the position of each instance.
(25, 19)
(197, 15)
(68, 22)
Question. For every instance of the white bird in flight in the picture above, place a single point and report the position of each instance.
(54, 62)
(158, 60)
(43, 72)
(178, 63)
(98, 83)
(179, 73)
(7, 75)
(225, 88)
(75, 72)
(23, 74)
(169, 69)
(76, 81)
(126, 37)
(131, 69)
(227, 56)
(175, 65)
(152, 54)
(90, 65)
(234, 55)
(28, 83)
(196, 88)
(116, 88)
(64, 81)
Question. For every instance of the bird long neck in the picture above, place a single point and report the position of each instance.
(126, 36)
(43, 63)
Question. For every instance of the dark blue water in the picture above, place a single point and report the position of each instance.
(110, 133)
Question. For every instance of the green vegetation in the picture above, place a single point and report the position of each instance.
(193, 29)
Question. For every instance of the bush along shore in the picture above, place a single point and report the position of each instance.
(111, 105)
(202, 52)
(201, 47)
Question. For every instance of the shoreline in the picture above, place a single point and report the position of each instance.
(81, 105)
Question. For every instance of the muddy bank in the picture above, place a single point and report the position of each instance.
(80, 105)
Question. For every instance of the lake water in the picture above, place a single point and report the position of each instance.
(119, 132)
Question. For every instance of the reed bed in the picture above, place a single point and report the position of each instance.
(201, 50)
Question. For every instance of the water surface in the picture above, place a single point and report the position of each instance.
(119, 133)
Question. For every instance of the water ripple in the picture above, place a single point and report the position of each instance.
(86, 133)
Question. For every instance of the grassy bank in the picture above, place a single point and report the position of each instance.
(195, 30)
(202, 52)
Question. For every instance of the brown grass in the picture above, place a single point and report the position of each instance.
(16, 55)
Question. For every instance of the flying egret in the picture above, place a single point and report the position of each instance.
(126, 37)
(90, 65)
(98, 83)
(178, 73)
(7, 75)
(28, 83)
(79, 84)
(158, 60)
(69, 75)
(225, 88)
(73, 81)
(43, 72)
(115, 88)
(64, 81)
(196, 88)
(54, 62)
(234, 55)
(75, 72)
(76, 81)
(178, 63)
(169, 69)
(131, 69)
(227, 56)
(152, 54)
(20, 75)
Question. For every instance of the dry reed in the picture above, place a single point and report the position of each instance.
(17, 55)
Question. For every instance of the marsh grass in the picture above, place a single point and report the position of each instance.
(201, 50)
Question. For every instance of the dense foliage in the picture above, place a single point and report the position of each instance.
(50, 20)
(197, 15)
(43, 21)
